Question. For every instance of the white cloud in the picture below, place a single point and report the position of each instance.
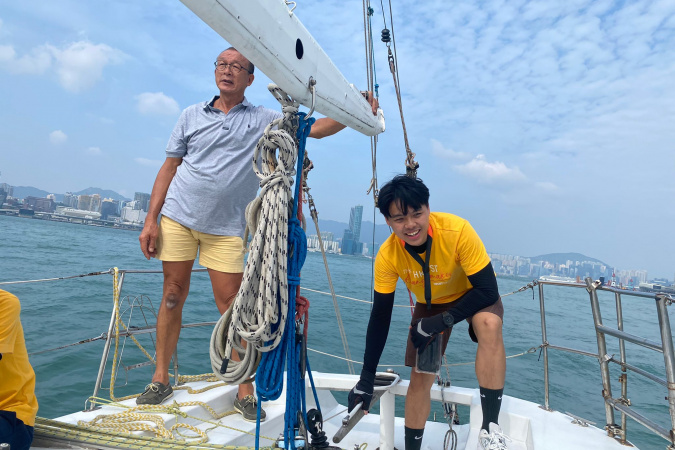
(156, 103)
(546, 186)
(81, 65)
(78, 66)
(7, 53)
(149, 162)
(93, 151)
(102, 119)
(491, 172)
(437, 149)
(34, 63)
(58, 137)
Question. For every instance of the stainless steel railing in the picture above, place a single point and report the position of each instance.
(110, 335)
(621, 404)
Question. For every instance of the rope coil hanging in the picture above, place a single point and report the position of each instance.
(256, 315)
(262, 313)
(269, 385)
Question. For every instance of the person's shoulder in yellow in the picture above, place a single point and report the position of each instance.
(467, 246)
(18, 404)
(443, 221)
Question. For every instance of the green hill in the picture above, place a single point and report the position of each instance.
(562, 258)
(104, 193)
(29, 191)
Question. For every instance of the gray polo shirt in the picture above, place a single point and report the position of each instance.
(215, 181)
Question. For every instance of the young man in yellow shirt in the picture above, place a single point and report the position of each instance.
(443, 262)
(18, 405)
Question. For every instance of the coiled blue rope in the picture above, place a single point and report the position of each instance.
(269, 376)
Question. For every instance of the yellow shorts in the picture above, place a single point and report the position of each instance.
(180, 243)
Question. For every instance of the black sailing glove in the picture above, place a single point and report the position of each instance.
(362, 392)
(423, 331)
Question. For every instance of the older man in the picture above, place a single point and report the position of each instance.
(201, 192)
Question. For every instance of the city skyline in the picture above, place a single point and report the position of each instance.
(93, 209)
(137, 207)
(76, 206)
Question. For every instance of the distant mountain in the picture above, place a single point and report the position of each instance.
(30, 191)
(562, 258)
(104, 193)
(382, 232)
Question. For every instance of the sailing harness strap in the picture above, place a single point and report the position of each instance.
(424, 263)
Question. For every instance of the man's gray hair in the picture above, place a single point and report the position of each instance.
(251, 67)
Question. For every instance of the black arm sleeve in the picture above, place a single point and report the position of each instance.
(378, 330)
(483, 294)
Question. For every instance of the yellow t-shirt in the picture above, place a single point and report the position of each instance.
(17, 379)
(456, 251)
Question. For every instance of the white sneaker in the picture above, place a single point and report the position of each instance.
(494, 440)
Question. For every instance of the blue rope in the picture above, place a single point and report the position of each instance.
(311, 382)
(269, 376)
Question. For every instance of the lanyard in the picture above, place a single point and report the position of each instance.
(425, 267)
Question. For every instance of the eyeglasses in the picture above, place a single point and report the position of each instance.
(234, 67)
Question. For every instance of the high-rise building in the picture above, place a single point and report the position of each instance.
(95, 203)
(327, 236)
(39, 204)
(133, 204)
(133, 215)
(350, 239)
(9, 190)
(108, 208)
(347, 243)
(143, 201)
(355, 221)
(84, 202)
(69, 199)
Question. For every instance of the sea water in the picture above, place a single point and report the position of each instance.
(63, 312)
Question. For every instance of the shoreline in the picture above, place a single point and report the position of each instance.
(51, 217)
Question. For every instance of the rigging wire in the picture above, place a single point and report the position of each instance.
(373, 87)
(343, 334)
(91, 274)
(367, 42)
(389, 38)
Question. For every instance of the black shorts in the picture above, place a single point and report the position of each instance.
(421, 311)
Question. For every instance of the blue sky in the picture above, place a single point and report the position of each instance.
(549, 125)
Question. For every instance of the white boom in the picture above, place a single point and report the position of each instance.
(276, 42)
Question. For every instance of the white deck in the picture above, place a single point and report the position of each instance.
(529, 426)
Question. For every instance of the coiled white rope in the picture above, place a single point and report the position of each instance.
(256, 315)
